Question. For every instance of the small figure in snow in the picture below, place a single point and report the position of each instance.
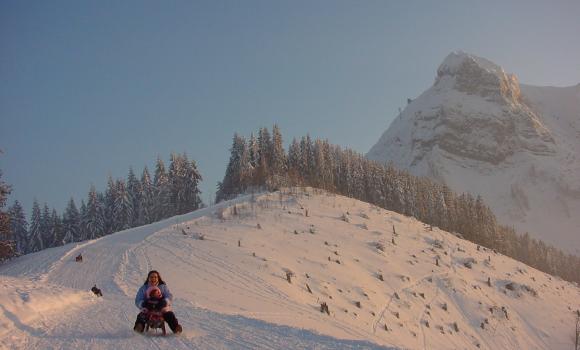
(97, 291)
(149, 300)
(79, 258)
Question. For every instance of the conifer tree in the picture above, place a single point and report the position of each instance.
(84, 216)
(253, 151)
(35, 241)
(278, 155)
(147, 196)
(175, 178)
(7, 243)
(191, 193)
(56, 229)
(109, 207)
(46, 227)
(265, 147)
(134, 191)
(236, 171)
(162, 192)
(19, 227)
(95, 219)
(294, 158)
(71, 223)
(123, 207)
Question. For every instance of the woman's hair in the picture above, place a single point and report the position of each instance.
(158, 275)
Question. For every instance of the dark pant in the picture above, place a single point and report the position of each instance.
(168, 316)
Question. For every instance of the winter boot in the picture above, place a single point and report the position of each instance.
(139, 327)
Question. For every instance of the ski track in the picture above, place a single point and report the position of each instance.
(109, 320)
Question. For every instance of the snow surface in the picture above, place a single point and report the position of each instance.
(227, 267)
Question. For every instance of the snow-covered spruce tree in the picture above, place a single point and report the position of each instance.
(253, 155)
(35, 241)
(265, 146)
(306, 158)
(320, 166)
(326, 164)
(294, 158)
(109, 207)
(56, 229)
(7, 243)
(71, 221)
(133, 188)
(95, 218)
(123, 209)
(84, 214)
(146, 199)
(175, 176)
(18, 227)
(162, 192)
(278, 162)
(184, 178)
(45, 227)
(191, 193)
(375, 183)
(450, 200)
(234, 181)
(263, 171)
(147, 205)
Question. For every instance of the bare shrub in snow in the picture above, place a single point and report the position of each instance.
(378, 245)
(289, 275)
(517, 289)
(324, 308)
(469, 262)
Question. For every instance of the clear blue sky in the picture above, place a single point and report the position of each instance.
(89, 88)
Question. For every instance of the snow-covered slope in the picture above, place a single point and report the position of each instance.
(227, 267)
(479, 131)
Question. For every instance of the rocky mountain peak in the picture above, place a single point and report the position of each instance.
(478, 76)
(474, 131)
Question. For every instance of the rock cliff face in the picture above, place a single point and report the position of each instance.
(477, 130)
(478, 76)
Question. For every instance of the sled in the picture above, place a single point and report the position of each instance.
(155, 321)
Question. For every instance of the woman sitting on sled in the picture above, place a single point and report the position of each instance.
(154, 295)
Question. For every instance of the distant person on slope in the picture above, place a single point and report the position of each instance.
(154, 295)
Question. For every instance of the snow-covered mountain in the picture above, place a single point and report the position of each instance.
(479, 131)
(388, 280)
